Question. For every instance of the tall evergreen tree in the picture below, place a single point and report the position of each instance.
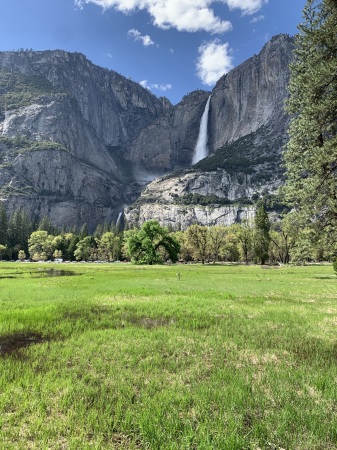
(19, 230)
(3, 224)
(311, 155)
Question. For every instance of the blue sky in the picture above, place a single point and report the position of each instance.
(171, 46)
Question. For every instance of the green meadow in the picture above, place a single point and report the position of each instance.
(116, 356)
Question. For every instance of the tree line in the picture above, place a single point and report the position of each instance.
(307, 232)
(286, 239)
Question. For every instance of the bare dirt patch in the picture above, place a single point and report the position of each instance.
(11, 343)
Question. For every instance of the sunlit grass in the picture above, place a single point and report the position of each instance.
(171, 357)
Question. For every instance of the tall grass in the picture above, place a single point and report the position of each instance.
(171, 357)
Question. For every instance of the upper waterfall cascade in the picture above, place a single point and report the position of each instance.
(200, 151)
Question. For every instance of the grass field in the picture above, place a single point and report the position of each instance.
(168, 357)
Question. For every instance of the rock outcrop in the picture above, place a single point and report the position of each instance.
(168, 142)
(251, 95)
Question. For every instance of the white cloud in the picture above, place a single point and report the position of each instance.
(257, 19)
(246, 6)
(213, 62)
(162, 87)
(146, 40)
(144, 83)
(109, 55)
(156, 86)
(183, 15)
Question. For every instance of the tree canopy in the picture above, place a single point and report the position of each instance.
(311, 155)
(148, 244)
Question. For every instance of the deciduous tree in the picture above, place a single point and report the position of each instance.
(146, 245)
(261, 235)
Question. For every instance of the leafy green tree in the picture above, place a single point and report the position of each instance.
(70, 242)
(304, 249)
(21, 255)
(244, 234)
(40, 245)
(285, 235)
(152, 243)
(198, 239)
(231, 250)
(86, 249)
(261, 235)
(186, 252)
(216, 241)
(3, 250)
(310, 157)
(57, 254)
(109, 246)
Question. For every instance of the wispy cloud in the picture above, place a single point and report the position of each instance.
(246, 6)
(156, 86)
(213, 62)
(183, 15)
(109, 55)
(137, 36)
(257, 19)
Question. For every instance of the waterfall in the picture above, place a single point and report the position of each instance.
(200, 150)
(118, 221)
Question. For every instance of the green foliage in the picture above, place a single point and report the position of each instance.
(20, 228)
(151, 243)
(3, 224)
(3, 250)
(261, 235)
(311, 153)
(40, 245)
(17, 89)
(197, 237)
(86, 249)
(247, 156)
(334, 265)
(199, 199)
(109, 246)
(274, 202)
(23, 144)
(231, 157)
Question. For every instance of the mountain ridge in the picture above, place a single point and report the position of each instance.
(116, 135)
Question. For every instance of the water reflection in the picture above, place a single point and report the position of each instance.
(42, 273)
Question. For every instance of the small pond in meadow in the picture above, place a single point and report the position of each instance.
(41, 273)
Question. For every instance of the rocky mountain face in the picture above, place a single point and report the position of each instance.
(79, 143)
(247, 131)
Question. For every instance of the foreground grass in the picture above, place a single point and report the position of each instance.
(174, 357)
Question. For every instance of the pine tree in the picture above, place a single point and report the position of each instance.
(311, 155)
(3, 224)
(19, 230)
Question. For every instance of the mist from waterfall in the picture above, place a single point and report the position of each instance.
(200, 151)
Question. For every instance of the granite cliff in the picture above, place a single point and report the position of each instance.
(247, 131)
(80, 143)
